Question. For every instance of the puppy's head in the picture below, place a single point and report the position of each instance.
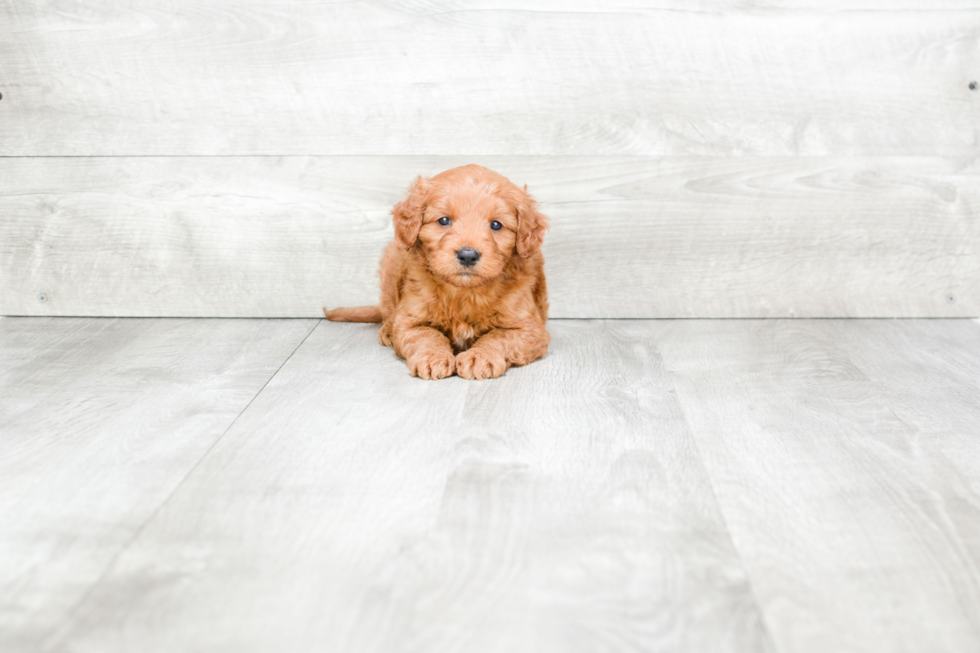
(468, 222)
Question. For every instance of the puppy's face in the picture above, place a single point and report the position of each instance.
(468, 233)
(468, 222)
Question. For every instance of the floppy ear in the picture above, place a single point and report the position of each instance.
(531, 225)
(407, 214)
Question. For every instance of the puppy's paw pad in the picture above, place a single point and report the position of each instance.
(432, 365)
(477, 365)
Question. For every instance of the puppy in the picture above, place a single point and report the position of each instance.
(462, 284)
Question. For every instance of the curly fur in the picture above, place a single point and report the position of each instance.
(443, 317)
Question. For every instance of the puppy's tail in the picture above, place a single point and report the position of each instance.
(354, 314)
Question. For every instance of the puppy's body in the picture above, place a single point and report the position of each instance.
(462, 285)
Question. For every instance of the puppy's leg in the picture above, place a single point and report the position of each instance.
(384, 335)
(498, 349)
(426, 350)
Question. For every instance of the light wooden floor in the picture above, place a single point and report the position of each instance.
(284, 485)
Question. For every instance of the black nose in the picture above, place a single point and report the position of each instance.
(468, 256)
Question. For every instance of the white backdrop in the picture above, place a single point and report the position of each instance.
(707, 159)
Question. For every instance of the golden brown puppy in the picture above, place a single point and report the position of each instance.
(462, 283)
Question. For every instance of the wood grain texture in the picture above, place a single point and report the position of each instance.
(933, 385)
(857, 529)
(353, 508)
(488, 78)
(100, 420)
(631, 236)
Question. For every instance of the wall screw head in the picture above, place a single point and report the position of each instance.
(42, 298)
(973, 86)
(950, 299)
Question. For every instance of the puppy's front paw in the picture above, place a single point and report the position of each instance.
(479, 365)
(432, 365)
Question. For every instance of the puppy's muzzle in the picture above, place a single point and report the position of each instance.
(467, 256)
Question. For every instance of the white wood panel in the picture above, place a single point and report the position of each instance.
(100, 420)
(933, 384)
(857, 531)
(353, 508)
(483, 78)
(631, 236)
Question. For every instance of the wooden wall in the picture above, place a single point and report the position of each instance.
(698, 159)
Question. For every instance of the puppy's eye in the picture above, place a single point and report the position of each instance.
(444, 221)
(496, 226)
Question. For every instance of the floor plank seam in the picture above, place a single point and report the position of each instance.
(108, 568)
(767, 631)
(763, 622)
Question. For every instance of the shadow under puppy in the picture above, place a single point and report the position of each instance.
(462, 284)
